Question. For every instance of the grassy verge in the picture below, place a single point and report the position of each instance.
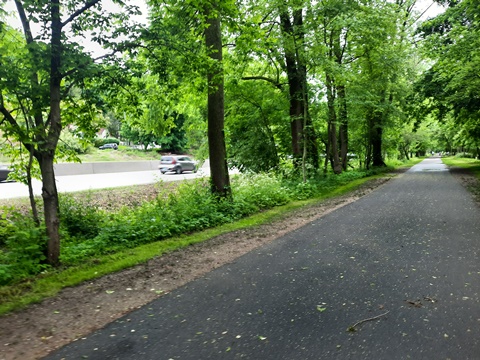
(123, 153)
(472, 165)
(48, 284)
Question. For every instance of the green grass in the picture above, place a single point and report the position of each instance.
(123, 153)
(472, 165)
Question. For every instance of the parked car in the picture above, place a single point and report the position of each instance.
(4, 171)
(109, 146)
(177, 164)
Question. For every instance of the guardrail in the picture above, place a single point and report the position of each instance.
(104, 167)
(65, 169)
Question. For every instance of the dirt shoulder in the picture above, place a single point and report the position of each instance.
(75, 312)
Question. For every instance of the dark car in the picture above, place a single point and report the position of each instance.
(177, 164)
(4, 171)
(109, 146)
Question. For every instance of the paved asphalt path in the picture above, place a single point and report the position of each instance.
(407, 253)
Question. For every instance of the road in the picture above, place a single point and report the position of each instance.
(70, 183)
(399, 268)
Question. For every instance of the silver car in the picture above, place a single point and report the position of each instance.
(177, 164)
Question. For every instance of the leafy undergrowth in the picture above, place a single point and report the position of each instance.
(106, 234)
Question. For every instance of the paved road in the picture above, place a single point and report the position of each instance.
(72, 183)
(408, 253)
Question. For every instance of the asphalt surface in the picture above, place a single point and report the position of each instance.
(401, 266)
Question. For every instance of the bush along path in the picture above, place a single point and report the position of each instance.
(393, 275)
(77, 310)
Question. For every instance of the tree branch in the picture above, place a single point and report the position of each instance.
(275, 83)
(11, 120)
(80, 11)
(352, 328)
(25, 23)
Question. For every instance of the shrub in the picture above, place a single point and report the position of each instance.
(7, 228)
(191, 207)
(80, 218)
(260, 191)
(23, 250)
(465, 155)
(100, 141)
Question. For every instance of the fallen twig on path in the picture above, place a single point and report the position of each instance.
(352, 328)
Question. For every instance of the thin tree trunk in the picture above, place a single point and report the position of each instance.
(31, 196)
(50, 205)
(343, 130)
(46, 155)
(332, 126)
(338, 52)
(294, 86)
(368, 136)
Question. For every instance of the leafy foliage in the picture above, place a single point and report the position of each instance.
(449, 89)
(22, 247)
(80, 219)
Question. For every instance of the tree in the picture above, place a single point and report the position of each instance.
(450, 88)
(51, 65)
(257, 135)
(191, 35)
(175, 141)
(273, 34)
(383, 72)
(336, 22)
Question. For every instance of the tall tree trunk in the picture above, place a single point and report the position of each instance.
(379, 119)
(376, 138)
(301, 125)
(216, 136)
(294, 87)
(338, 53)
(332, 126)
(309, 135)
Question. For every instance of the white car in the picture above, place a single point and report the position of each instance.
(177, 164)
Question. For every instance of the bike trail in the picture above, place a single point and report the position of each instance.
(394, 275)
